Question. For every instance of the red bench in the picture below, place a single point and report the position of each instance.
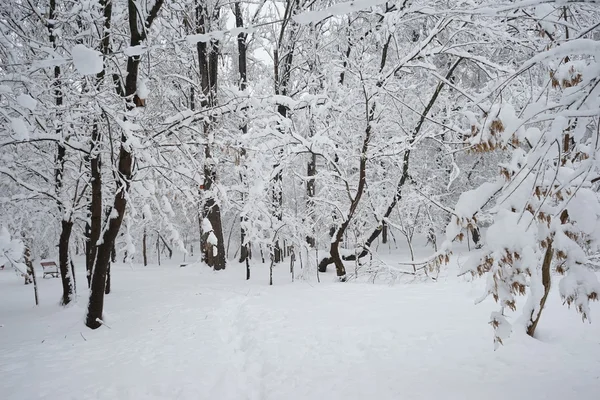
(50, 268)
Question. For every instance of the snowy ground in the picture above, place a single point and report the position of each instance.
(190, 333)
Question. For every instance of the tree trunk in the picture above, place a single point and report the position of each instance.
(214, 257)
(384, 232)
(271, 271)
(144, 251)
(107, 287)
(87, 234)
(277, 187)
(31, 273)
(283, 56)
(242, 64)
(73, 276)
(546, 281)
(125, 163)
(334, 250)
(208, 67)
(66, 227)
(311, 167)
(166, 245)
(64, 264)
(311, 191)
(362, 178)
(103, 254)
(476, 235)
(95, 207)
(244, 246)
(277, 251)
(158, 250)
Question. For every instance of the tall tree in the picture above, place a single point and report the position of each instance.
(212, 244)
(125, 165)
(243, 84)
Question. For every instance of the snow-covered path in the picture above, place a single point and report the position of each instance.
(188, 333)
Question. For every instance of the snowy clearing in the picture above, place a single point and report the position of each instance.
(397, 147)
(191, 333)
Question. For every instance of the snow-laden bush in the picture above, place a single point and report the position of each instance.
(11, 250)
(544, 204)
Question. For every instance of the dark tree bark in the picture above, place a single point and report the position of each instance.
(125, 163)
(247, 268)
(384, 232)
(476, 235)
(346, 57)
(95, 207)
(337, 233)
(86, 243)
(243, 70)
(107, 287)
(73, 276)
(208, 68)
(546, 272)
(271, 271)
(65, 235)
(362, 171)
(546, 281)
(169, 249)
(311, 166)
(335, 257)
(144, 249)
(158, 250)
(64, 264)
(311, 191)
(96, 302)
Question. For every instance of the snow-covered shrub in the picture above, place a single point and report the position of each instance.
(11, 250)
(544, 204)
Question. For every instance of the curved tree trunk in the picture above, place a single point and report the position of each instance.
(534, 318)
(403, 178)
(334, 250)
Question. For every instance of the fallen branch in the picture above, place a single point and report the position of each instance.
(102, 323)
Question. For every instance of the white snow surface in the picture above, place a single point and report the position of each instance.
(87, 61)
(27, 101)
(133, 51)
(191, 333)
(142, 89)
(337, 9)
(20, 129)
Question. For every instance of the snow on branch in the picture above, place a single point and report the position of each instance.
(337, 9)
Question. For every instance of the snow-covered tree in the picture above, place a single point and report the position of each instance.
(543, 207)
